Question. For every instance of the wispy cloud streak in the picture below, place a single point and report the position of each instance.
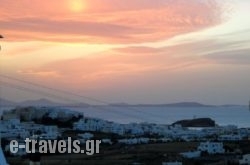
(111, 21)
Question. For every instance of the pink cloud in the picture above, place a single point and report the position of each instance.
(138, 61)
(114, 64)
(111, 21)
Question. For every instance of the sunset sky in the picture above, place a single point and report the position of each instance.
(140, 51)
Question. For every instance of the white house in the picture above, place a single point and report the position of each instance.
(245, 160)
(230, 138)
(171, 163)
(50, 132)
(211, 147)
(143, 140)
(134, 129)
(134, 141)
(128, 141)
(166, 140)
(191, 154)
(89, 124)
(86, 136)
(21, 151)
(117, 129)
(106, 141)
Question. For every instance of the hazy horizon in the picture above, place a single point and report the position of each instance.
(140, 51)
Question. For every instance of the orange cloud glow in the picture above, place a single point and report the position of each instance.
(117, 49)
(115, 63)
(110, 21)
(77, 5)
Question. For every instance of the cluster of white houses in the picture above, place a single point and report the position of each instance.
(137, 131)
(14, 129)
(11, 127)
(168, 132)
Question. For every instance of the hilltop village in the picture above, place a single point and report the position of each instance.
(223, 143)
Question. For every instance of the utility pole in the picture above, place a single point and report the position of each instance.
(2, 156)
(0, 38)
(0, 116)
(249, 105)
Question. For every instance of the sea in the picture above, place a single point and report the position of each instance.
(223, 115)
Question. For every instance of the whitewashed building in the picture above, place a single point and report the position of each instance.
(106, 141)
(21, 151)
(50, 132)
(211, 147)
(230, 137)
(245, 160)
(134, 141)
(171, 163)
(191, 154)
(86, 136)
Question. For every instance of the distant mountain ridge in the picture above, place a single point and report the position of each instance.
(180, 104)
(46, 102)
(4, 102)
(39, 102)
